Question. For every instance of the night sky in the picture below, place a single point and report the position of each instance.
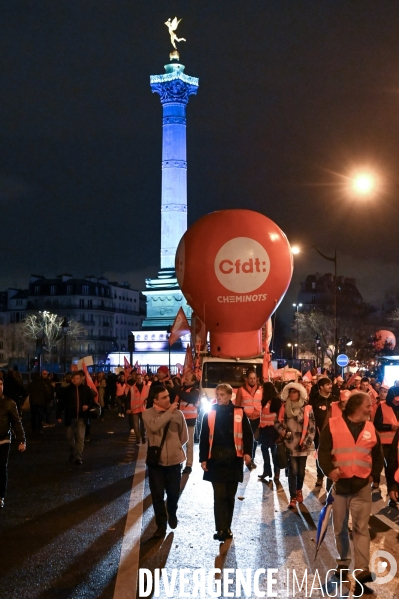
(294, 96)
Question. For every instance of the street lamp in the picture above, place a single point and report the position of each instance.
(297, 306)
(292, 350)
(65, 326)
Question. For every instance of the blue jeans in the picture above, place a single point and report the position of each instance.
(76, 437)
(296, 473)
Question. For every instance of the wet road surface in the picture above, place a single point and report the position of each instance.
(82, 532)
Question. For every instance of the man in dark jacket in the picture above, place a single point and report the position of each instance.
(75, 404)
(219, 458)
(350, 454)
(9, 421)
(321, 403)
(39, 399)
(14, 389)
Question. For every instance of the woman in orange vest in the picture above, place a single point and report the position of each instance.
(392, 471)
(296, 424)
(121, 389)
(271, 404)
(250, 398)
(225, 443)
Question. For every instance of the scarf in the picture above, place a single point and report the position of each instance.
(293, 409)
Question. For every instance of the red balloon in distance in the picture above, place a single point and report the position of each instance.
(234, 267)
(382, 338)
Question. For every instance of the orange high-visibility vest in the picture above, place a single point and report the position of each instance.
(137, 399)
(306, 413)
(396, 475)
(267, 418)
(189, 410)
(353, 459)
(335, 409)
(237, 431)
(252, 404)
(120, 389)
(388, 417)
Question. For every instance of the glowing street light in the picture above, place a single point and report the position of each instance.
(364, 183)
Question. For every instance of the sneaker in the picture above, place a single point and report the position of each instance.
(319, 482)
(262, 476)
(187, 470)
(392, 503)
(1, 502)
(172, 520)
(299, 497)
(78, 462)
(122, 415)
(229, 534)
(292, 503)
(159, 533)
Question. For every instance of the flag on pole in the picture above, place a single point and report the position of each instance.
(198, 332)
(307, 376)
(179, 368)
(351, 380)
(89, 380)
(179, 328)
(323, 521)
(188, 361)
(127, 367)
(266, 364)
(272, 372)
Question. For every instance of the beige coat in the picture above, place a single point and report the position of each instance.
(177, 435)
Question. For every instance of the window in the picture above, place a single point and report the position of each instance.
(69, 289)
(1, 357)
(90, 304)
(1, 333)
(1, 345)
(96, 290)
(85, 289)
(313, 285)
(53, 289)
(81, 303)
(1, 319)
(37, 289)
(18, 302)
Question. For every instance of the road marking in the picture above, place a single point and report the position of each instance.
(127, 576)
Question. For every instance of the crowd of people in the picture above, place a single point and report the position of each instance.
(352, 423)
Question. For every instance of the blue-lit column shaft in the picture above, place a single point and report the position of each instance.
(174, 89)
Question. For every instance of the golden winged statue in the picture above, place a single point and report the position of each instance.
(172, 26)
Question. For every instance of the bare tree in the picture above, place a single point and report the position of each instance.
(47, 328)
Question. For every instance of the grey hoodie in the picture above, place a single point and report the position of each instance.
(177, 435)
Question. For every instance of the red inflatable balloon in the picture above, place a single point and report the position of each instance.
(234, 267)
(382, 338)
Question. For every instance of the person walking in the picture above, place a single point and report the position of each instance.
(249, 396)
(271, 404)
(392, 471)
(296, 425)
(188, 397)
(225, 444)
(386, 421)
(10, 422)
(39, 399)
(164, 379)
(136, 398)
(164, 421)
(121, 390)
(75, 404)
(321, 405)
(350, 455)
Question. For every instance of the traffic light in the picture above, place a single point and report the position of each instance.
(131, 343)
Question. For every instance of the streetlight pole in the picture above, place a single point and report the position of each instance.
(297, 306)
(292, 349)
(65, 326)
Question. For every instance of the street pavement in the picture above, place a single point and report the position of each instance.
(83, 532)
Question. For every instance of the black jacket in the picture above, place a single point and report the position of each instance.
(72, 401)
(228, 467)
(10, 420)
(39, 393)
(392, 464)
(378, 418)
(321, 406)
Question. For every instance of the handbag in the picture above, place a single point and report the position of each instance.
(282, 455)
(154, 451)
